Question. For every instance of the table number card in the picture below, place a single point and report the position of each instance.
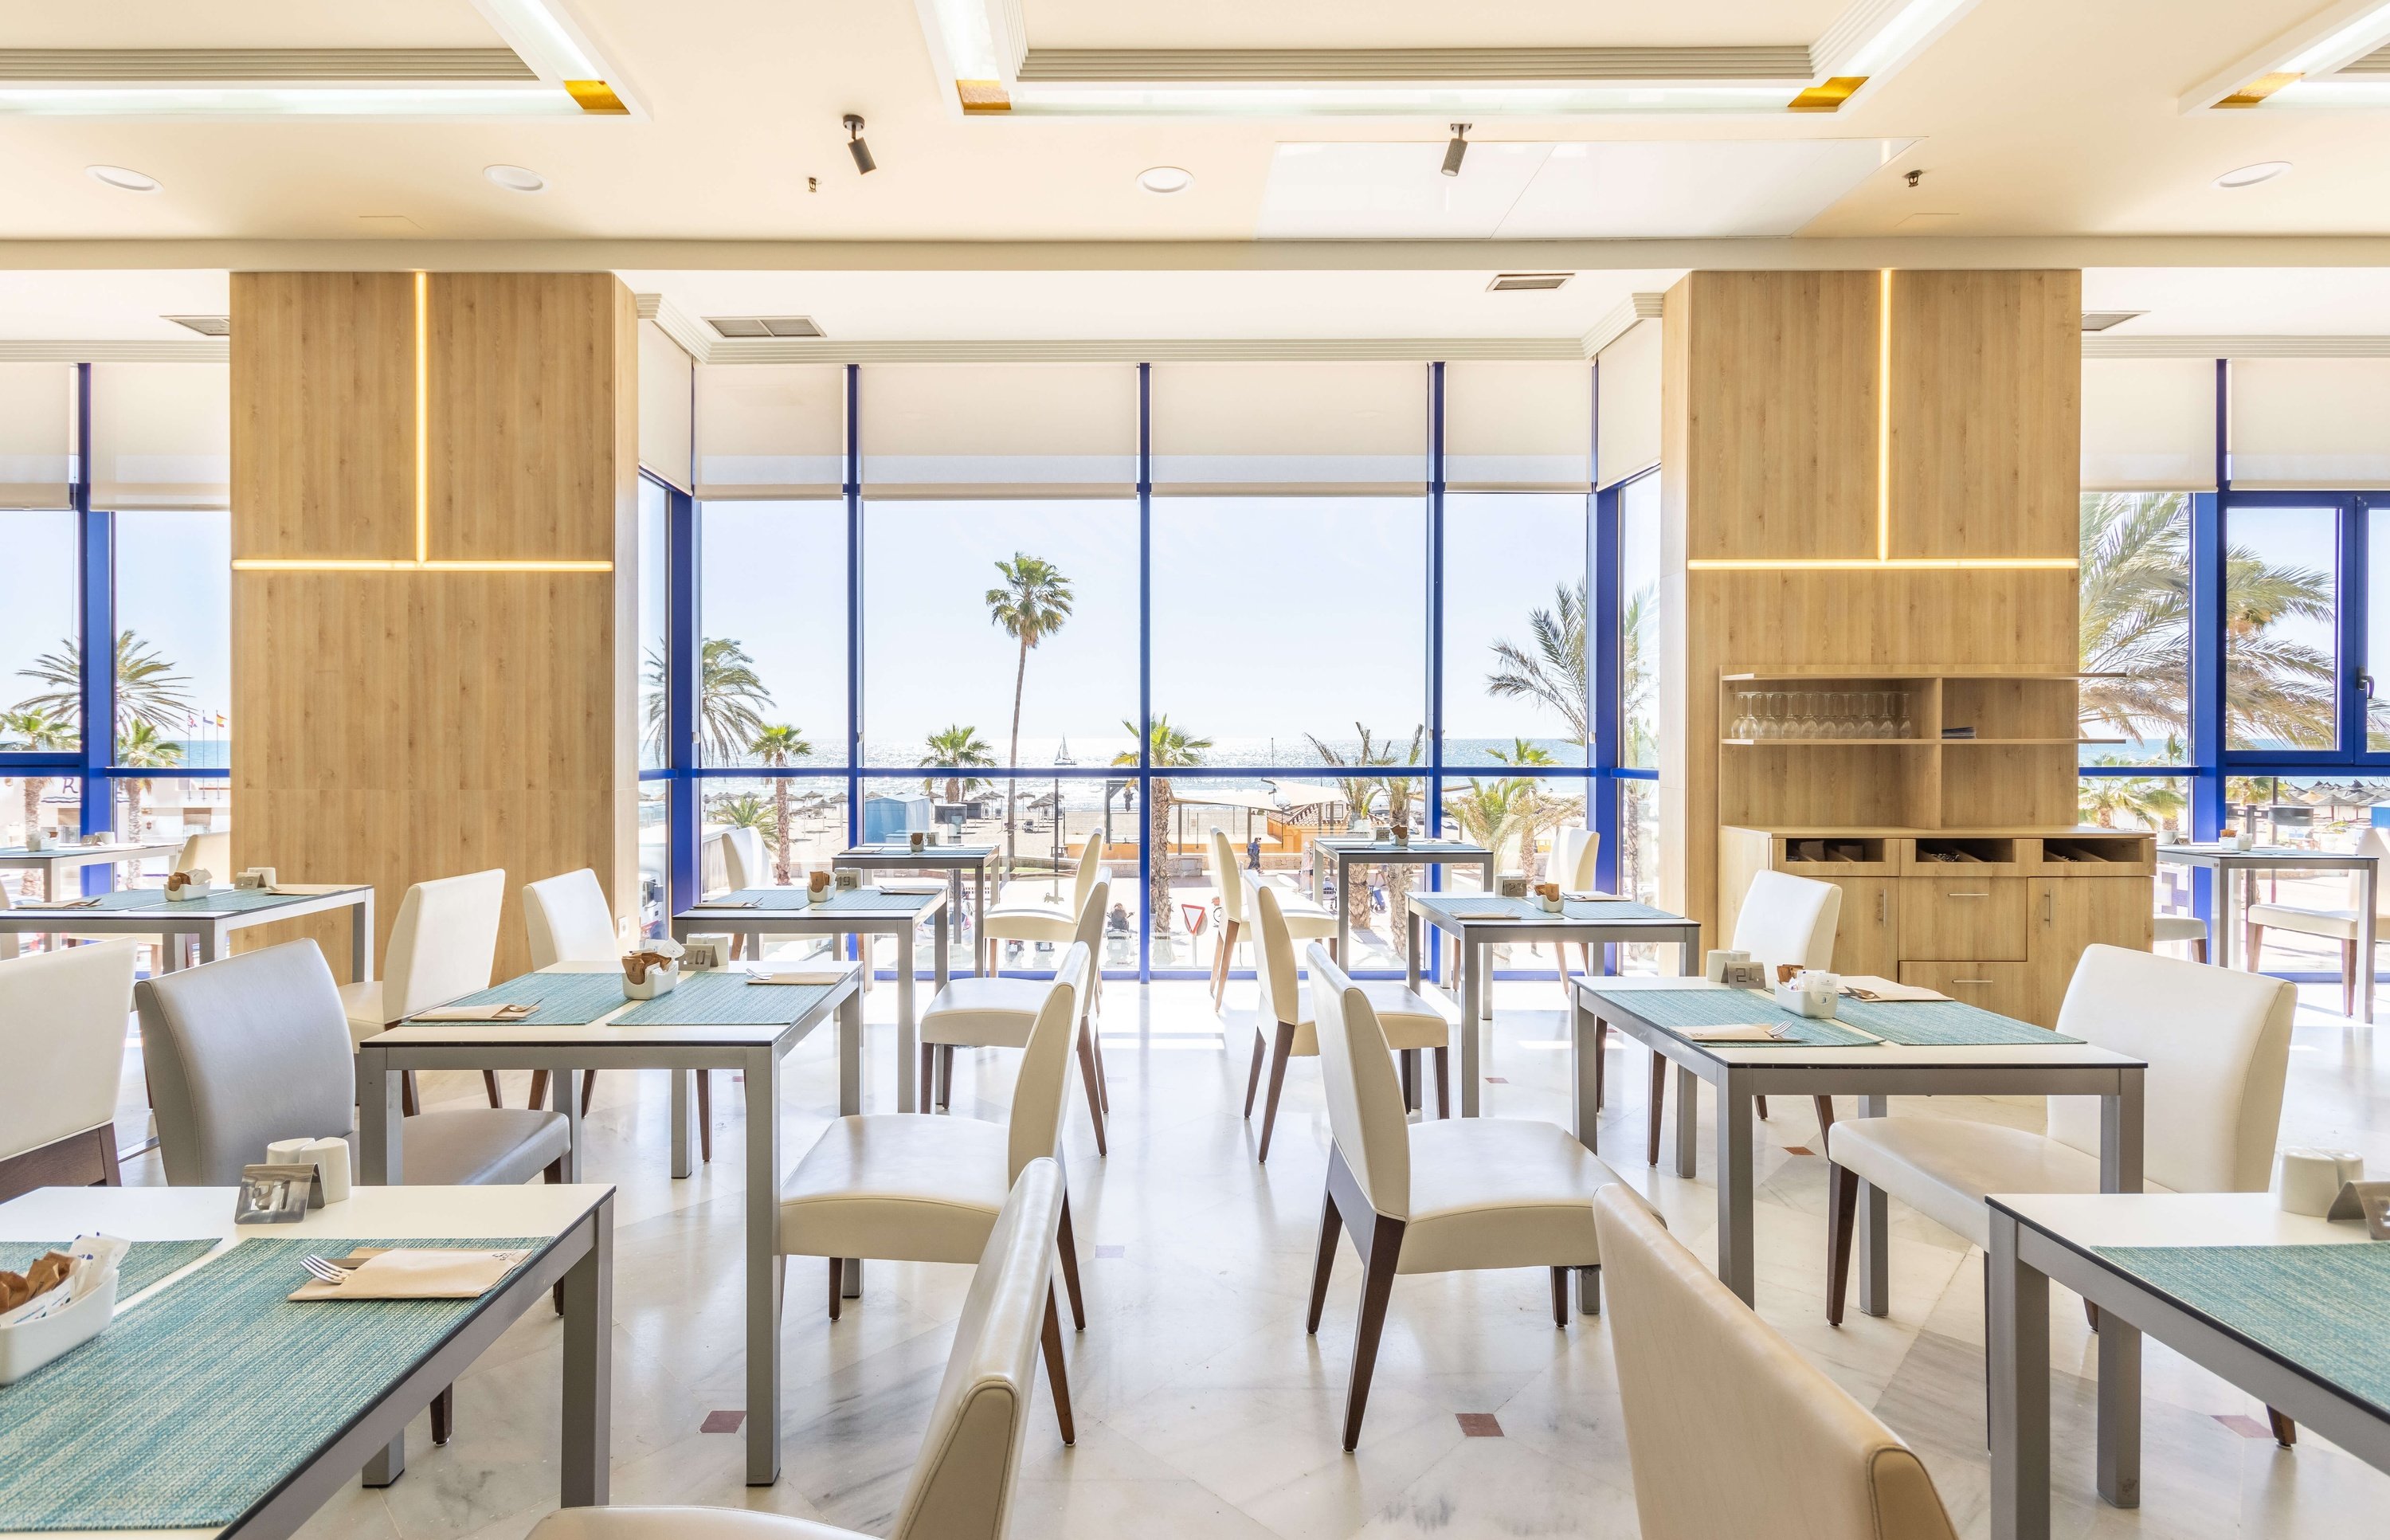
(2366, 1201)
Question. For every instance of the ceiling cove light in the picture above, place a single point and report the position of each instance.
(1455, 152)
(521, 179)
(2331, 59)
(1165, 180)
(2249, 176)
(123, 178)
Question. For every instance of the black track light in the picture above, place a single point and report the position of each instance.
(855, 147)
(1455, 150)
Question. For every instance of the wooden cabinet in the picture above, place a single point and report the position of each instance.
(1866, 939)
(1963, 917)
(2071, 913)
(2008, 988)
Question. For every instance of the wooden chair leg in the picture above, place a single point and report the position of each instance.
(2348, 978)
(410, 1099)
(1842, 1218)
(1377, 1287)
(705, 1114)
(1278, 1052)
(490, 1086)
(444, 1415)
(2255, 935)
(1103, 1077)
(1659, 1094)
(1559, 966)
(834, 1281)
(1324, 1265)
(1070, 1249)
(1559, 1297)
(1254, 1075)
(2199, 949)
(1825, 1106)
(538, 1090)
(1057, 1376)
(1090, 1076)
(1443, 1080)
(1223, 960)
(1759, 1105)
(111, 1175)
(1409, 1062)
(2286, 1432)
(588, 1090)
(1601, 1063)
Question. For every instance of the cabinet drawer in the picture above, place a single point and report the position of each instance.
(1963, 918)
(2005, 988)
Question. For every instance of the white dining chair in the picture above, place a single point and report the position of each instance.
(567, 919)
(1021, 913)
(918, 1187)
(1699, 1372)
(1305, 920)
(1785, 920)
(962, 1483)
(2340, 925)
(442, 945)
(1410, 1020)
(1455, 1194)
(1001, 1013)
(62, 1017)
(1574, 862)
(2218, 1044)
(2176, 930)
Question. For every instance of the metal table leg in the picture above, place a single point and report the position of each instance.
(1467, 969)
(586, 1461)
(381, 1162)
(2018, 1361)
(564, 1096)
(763, 1263)
(361, 940)
(1733, 1173)
(1688, 1122)
(2366, 917)
(1875, 1232)
(908, 1034)
(684, 1123)
(2119, 1459)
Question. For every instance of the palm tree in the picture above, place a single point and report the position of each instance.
(147, 688)
(1031, 604)
(1536, 809)
(730, 700)
(958, 747)
(745, 811)
(1554, 668)
(1169, 749)
(40, 732)
(2136, 622)
(141, 748)
(778, 748)
(2151, 802)
(1358, 791)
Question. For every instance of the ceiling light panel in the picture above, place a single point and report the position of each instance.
(2324, 61)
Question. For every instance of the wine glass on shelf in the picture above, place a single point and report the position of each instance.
(1806, 706)
(1908, 726)
(1743, 725)
(1872, 721)
(1775, 725)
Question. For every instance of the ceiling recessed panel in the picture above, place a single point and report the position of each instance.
(249, 24)
(1708, 188)
(1365, 191)
(1422, 23)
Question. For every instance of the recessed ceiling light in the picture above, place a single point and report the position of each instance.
(521, 179)
(2249, 176)
(1166, 179)
(123, 178)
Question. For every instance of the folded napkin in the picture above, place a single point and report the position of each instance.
(92, 903)
(799, 976)
(1868, 987)
(728, 904)
(1590, 898)
(430, 1272)
(1753, 1033)
(474, 1013)
(308, 890)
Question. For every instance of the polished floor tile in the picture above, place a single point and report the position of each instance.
(1203, 1408)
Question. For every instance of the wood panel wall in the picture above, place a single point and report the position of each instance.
(400, 726)
(1770, 444)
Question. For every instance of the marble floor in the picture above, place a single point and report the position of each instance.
(1203, 1408)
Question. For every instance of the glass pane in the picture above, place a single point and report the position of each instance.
(40, 695)
(2307, 814)
(2280, 598)
(772, 602)
(1102, 808)
(655, 857)
(1639, 840)
(1639, 622)
(800, 821)
(174, 650)
(2136, 801)
(1515, 653)
(53, 804)
(172, 808)
(1285, 626)
(2136, 622)
(1001, 634)
(655, 620)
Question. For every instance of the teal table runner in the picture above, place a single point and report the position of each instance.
(2325, 1309)
(1943, 1023)
(146, 1263)
(1682, 1009)
(866, 901)
(726, 1000)
(189, 1410)
(1484, 906)
(223, 901)
(564, 999)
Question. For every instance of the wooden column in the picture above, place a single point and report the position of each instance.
(433, 717)
(1827, 428)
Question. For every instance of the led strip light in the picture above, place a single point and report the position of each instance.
(423, 561)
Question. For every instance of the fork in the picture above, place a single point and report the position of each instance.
(325, 1270)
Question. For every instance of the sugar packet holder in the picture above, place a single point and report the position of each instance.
(73, 1310)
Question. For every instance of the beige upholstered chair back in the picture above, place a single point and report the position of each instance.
(62, 1039)
(566, 920)
(1089, 933)
(1789, 919)
(1697, 1374)
(1365, 1101)
(242, 1052)
(742, 859)
(207, 853)
(2218, 1046)
(2376, 843)
(1275, 965)
(970, 1456)
(7, 942)
(1084, 874)
(1572, 870)
(1232, 878)
(1036, 1127)
(443, 942)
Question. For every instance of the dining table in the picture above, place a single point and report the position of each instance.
(2229, 861)
(209, 922)
(2286, 1307)
(1872, 1051)
(212, 1405)
(955, 860)
(712, 1019)
(55, 859)
(1343, 853)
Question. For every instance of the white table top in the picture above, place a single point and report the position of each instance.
(603, 1031)
(121, 851)
(2276, 855)
(2091, 1220)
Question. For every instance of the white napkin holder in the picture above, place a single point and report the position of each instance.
(330, 1159)
(1810, 993)
(47, 1327)
(2310, 1180)
(1714, 966)
(196, 884)
(659, 981)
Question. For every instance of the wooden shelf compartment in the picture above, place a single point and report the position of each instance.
(1826, 742)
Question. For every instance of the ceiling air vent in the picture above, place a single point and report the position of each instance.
(1505, 282)
(2101, 320)
(744, 327)
(206, 325)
